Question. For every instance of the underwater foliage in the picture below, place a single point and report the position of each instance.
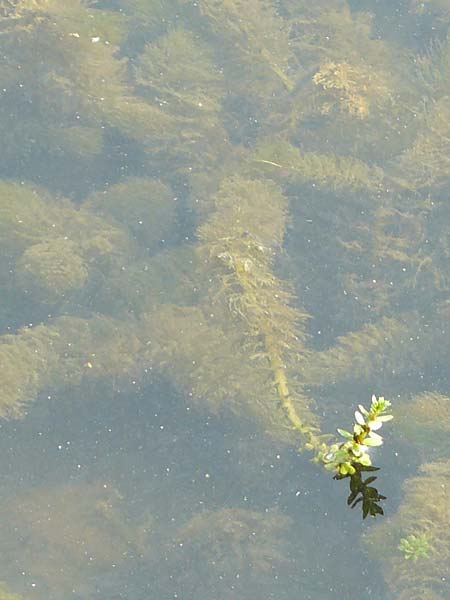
(67, 53)
(5, 595)
(26, 360)
(55, 251)
(31, 216)
(149, 216)
(214, 545)
(426, 163)
(347, 78)
(248, 199)
(425, 423)
(345, 88)
(414, 545)
(238, 246)
(352, 459)
(217, 373)
(73, 532)
(53, 266)
(361, 354)
(245, 535)
(190, 76)
(341, 173)
(253, 36)
(62, 353)
(178, 74)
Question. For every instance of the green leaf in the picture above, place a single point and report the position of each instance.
(359, 418)
(357, 429)
(369, 480)
(377, 510)
(365, 460)
(375, 436)
(330, 467)
(385, 418)
(372, 442)
(356, 502)
(347, 469)
(358, 450)
(345, 434)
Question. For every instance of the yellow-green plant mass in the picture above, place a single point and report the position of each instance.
(248, 199)
(66, 524)
(415, 542)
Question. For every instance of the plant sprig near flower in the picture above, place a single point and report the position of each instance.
(415, 546)
(351, 458)
(345, 457)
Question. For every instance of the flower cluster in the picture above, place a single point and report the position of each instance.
(346, 457)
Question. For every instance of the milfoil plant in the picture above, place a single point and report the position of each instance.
(351, 458)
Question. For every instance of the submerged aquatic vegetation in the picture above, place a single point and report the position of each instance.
(424, 422)
(282, 161)
(74, 531)
(240, 240)
(5, 595)
(254, 35)
(415, 546)
(208, 551)
(352, 458)
(346, 88)
(285, 133)
(347, 456)
(149, 218)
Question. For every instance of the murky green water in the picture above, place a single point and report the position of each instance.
(223, 225)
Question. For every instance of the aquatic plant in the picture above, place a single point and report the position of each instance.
(53, 267)
(6, 595)
(415, 547)
(190, 77)
(414, 544)
(62, 352)
(346, 457)
(207, 551)
(352, 459)
(311, 154)
(344, 88)
(238, 246)
(238, 242)
(253, 34)
(364, 353)
(87, 522)
(424, 422)
(150, 216)
(283, 161)
(189, 93)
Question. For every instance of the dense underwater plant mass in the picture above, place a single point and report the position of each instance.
(246, 202)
